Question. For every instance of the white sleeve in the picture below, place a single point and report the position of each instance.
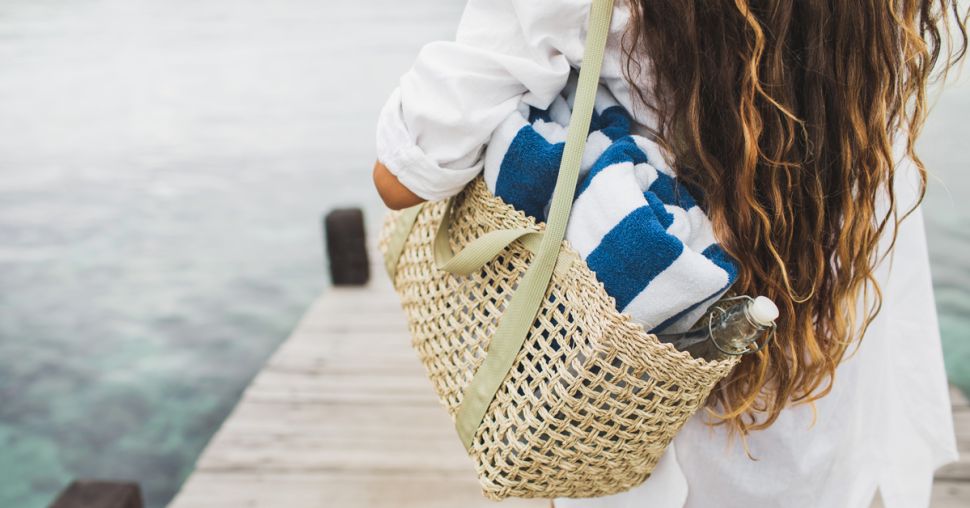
(431, 131)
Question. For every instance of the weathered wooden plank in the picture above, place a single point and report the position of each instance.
(296, 387)
(274, 437)
(961, 426)
(361, 397)
(958, 399)
(957, 471)
(398, 365)
(415, 488)
(269, 453)
(410, 422)
(372, 348)
(372, 322)
(946, 494)
(408, 383)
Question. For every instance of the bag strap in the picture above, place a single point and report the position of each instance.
(517, 320)
(515, 323)
(403, 224)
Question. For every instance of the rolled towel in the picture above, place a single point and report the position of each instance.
(638, 230)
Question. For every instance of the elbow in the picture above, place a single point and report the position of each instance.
(392, 192)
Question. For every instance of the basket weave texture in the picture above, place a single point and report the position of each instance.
(591, 401)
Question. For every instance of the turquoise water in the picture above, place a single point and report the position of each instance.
(945, 151)
(163, 168)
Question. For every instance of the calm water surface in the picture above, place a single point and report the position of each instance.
(163, 168)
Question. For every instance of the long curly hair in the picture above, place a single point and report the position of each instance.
(781, 115)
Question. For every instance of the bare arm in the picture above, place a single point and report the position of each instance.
(395, 195)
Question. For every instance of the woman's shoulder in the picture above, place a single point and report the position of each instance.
(543, 25)
(531, 15)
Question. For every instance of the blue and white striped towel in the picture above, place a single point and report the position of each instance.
(643, 236)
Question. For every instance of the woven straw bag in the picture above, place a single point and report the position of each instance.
(554, 393)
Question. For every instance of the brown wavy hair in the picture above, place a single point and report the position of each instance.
(780, 115)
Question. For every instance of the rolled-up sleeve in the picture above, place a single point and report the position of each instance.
(432, 130)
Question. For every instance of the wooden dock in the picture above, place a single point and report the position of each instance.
(342, 415)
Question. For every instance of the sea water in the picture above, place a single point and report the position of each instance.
(163, 169)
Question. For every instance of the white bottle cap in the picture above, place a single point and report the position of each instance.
(763, 311)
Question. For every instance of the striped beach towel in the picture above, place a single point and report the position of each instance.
(642, 234)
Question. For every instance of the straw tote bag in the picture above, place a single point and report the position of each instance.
(553, 392)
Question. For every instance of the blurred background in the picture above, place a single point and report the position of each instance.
(164, 165)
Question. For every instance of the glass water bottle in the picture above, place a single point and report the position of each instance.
(728, 329)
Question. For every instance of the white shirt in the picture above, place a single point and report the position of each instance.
(886, 423)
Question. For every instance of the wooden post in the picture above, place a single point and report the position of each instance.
(346, 247)
(99, 494)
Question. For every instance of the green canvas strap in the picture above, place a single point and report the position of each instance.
(516, 321)
(399, 236)
(472, 257)
(477, 253)
(514, 325)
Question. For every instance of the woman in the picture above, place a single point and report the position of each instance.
(795, 120)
